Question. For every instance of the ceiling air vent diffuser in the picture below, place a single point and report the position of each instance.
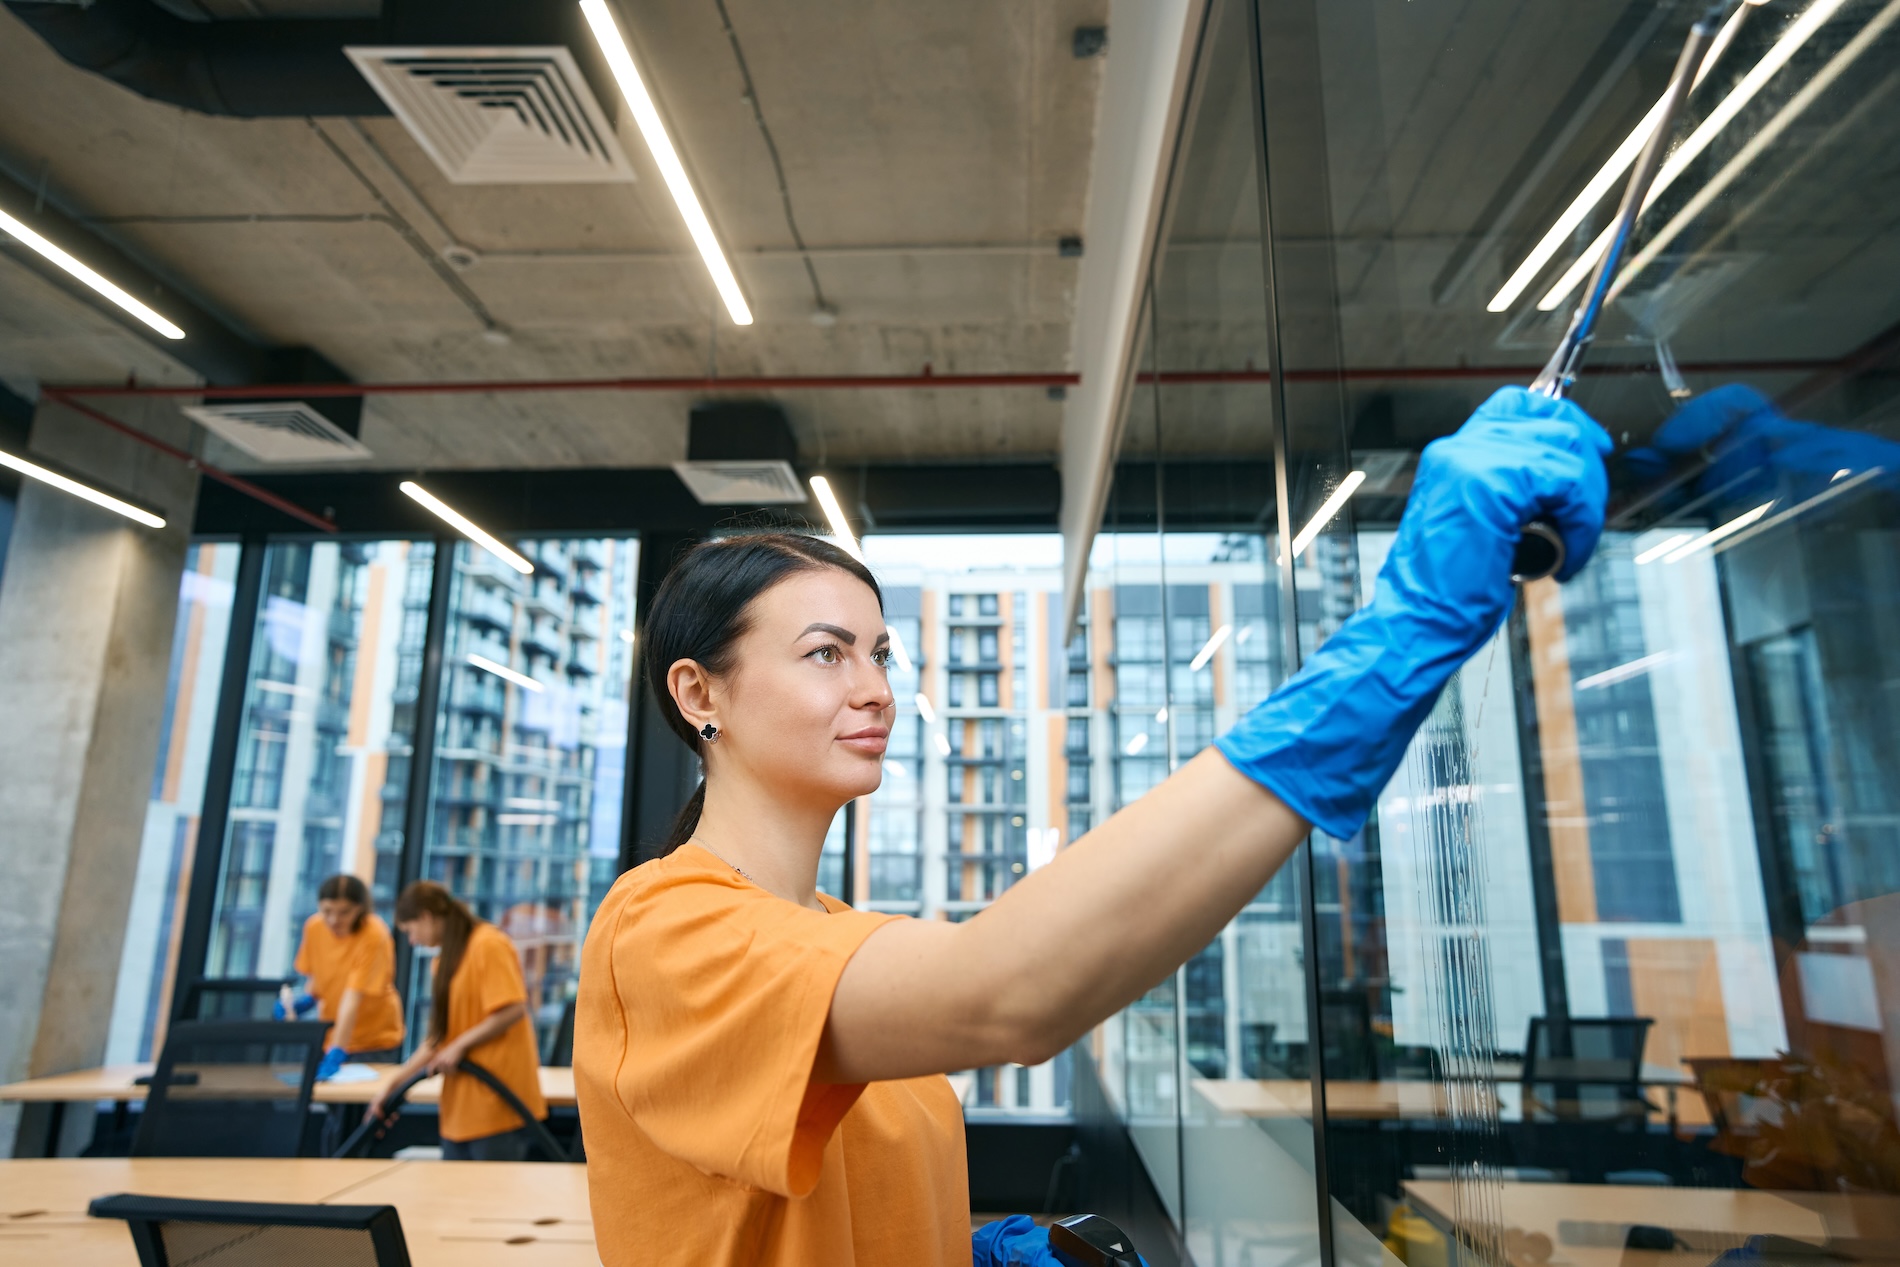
(741, 483)
(740, 453)
(498, 116)
(279, 431)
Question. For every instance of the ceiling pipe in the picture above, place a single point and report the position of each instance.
(899, 382)
(193, 461)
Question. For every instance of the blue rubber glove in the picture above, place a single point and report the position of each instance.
(303, 1005)
(1328, 740)
(332, 1061)
(1014, 1242)
(1755, 453)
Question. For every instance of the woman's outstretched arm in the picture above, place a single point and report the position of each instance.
(1121, 908)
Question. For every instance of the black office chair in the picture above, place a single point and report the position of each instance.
(560, 1050)
(1349, 1047)
(231, 1089)
(371, 1129)
(1586, 1069)
(232, 998)
(169, 1231)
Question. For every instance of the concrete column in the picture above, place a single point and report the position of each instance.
(86, 615)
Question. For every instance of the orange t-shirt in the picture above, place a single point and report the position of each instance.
(488, 978)
(702, 1001)
(365, 961)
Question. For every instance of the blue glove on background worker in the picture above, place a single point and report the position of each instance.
(303, 1005)
(332, 1061)
(1014, 1242)
(1330, 738)
(1754, 452)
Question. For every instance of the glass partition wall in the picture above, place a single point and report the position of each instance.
(1611, 973)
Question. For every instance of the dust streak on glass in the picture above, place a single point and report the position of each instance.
(1446, 820)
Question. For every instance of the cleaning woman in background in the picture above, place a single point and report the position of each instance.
(478, 1011)
(760, 1067)
(348, 960)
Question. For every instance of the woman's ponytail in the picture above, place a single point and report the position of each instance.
(686, 822)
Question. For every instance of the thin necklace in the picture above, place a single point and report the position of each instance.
(715, 853)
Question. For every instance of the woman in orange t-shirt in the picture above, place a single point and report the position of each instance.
(348, 959)
(478, 1012)
(760, 1068)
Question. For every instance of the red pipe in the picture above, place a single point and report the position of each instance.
(892, 382)
(193, 461)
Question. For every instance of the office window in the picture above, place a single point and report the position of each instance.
(323, 743)
(150, 957)
(525, 807)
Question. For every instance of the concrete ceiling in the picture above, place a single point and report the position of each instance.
(933, 157)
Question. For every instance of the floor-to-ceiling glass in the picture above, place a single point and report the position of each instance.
(528, 787)
(148, 966)
(322, 770)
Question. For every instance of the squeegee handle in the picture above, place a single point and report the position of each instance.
(1540, 551)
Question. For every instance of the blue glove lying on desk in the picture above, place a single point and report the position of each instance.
(303, 1003)
(1330, 738)
(332, 1061)
(1013, 1242)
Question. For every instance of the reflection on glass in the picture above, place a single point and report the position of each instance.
(323, 743)
(530, 762)
(983, 787)
(150, 958)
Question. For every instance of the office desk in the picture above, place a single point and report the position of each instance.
(39, 1131)
(1718, 1213)
(1293, 1097)
(454, 1214)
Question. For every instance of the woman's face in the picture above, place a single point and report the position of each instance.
(339, 915)
(425, 930)
(807, 707)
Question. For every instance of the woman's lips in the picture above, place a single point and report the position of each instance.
(871, 741)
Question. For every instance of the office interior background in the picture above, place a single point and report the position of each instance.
(1089, 312)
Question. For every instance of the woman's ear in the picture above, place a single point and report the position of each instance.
(692, 690)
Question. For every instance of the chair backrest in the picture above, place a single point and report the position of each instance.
(170, 1231)
(232, 998)
(1740, 1094)
(1346, 1038)
(231, 1089)
(561, 1050)
(1587, 1067)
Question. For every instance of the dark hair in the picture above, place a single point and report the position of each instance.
(702, 608)
(426, 897)
(346, 888)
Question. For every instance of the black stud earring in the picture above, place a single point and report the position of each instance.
(709, 732)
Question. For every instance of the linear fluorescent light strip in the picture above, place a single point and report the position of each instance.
(1719, 118)
(1664, 547)
(1756, 146)
(840, 526)
(89, 277)
(1624, 672)
(943, 743)
(467, 527)
(1135, 745)
(82, 492)
(1728, 529)
(505, 673)
(1837, 487)
(1324, 515)
(924, 709)
(613, 46)
(1206, 653)
(1604, 181)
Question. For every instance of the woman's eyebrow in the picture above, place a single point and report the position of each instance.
(845, 636)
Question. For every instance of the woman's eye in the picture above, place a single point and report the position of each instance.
(827, 655)
(882, 659)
